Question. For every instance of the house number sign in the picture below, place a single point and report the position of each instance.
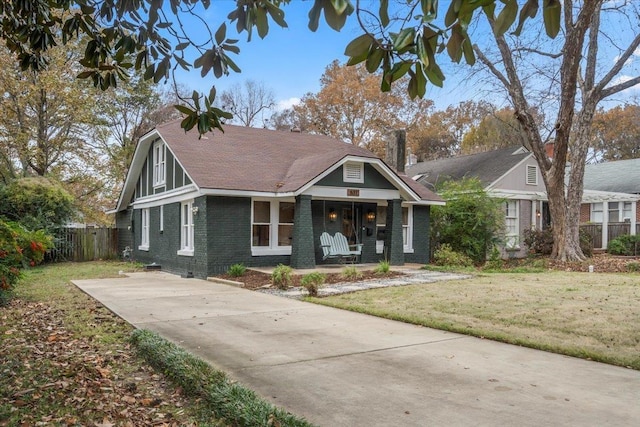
(353, 192)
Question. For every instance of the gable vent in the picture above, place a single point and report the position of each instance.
(532, 175)
(353, 172)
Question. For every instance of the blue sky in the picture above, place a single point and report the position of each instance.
(291, 61)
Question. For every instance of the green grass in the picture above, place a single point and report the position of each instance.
(593, 316)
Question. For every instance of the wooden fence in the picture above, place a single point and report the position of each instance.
(85, 244)
(613, 230)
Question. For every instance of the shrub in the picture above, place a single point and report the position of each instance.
(237, 270)
(495, 262)
(312, 282)
(282, 276)
(624, 245)
(633, 267)
(351, 273)
(383, 267)
(446, 256)
(471, 222)
(541, 241)
(19, 249)
(36, 203)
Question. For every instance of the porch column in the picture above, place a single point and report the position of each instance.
(605, 224)
(634, 215)
(393, 243)
(302, 250)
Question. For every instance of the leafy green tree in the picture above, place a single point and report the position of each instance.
(616, 133)
(471, 222)
(36, 203)
(406, 42)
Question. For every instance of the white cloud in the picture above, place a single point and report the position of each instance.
(283, 104)
(622, 79)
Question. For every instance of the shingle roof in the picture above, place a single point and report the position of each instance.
(622, 176)
(487, 166)
(250, 159)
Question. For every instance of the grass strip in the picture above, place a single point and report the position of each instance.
(227, 400)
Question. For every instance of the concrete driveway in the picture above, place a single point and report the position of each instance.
(338, 368)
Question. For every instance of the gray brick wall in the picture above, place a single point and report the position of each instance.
(421, 240)
(393, 242)
(302, 252)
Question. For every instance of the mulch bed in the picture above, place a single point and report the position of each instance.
(602, 263)
(253, 279)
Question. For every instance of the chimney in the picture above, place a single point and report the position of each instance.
(396, 149)
(548, 148)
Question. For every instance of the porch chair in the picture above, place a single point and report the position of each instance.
(337, 247)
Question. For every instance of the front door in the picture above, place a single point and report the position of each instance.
(352, 224)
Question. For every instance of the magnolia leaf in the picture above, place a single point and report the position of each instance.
(529, 10)
(358, 46)
(374, 59)
(404, 38)
(220, 34)
(552, 14)
(184, 109)
(454, 45)
(383, 12)
(314, 15)
(506, 17)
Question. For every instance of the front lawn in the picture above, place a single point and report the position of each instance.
(593, 316)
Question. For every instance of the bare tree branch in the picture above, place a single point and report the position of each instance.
(617, 67)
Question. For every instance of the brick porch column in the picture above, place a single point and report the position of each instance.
(302, 249)
(393, 242)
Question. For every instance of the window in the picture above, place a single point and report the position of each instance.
(614, 212)
(407, 228)
(532, 175)
(272, 227)
(162, 218)
(353, 172)
(159, 168)
(144, 229)
(596, 212)
(186, 228)
(511, 224)
(627, 211)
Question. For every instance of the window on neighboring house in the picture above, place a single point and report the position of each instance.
(144, 230)
(186, 228)
(272, 227)
(161, 218)
(353, 172)
(614, 212)
(596, 213)
(511, 224)
(532, 175)
(381, 226)
(627, 212)
(159, 163)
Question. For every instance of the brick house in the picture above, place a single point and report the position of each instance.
(610, 203)
(262, 197)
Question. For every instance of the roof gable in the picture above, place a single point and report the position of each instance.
(254, 160)
(488, 166)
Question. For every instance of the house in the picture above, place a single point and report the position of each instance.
(262, 197)
(610, 204)
(509, 173)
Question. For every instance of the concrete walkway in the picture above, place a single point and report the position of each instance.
(338, 368)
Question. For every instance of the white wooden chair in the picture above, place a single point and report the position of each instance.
(338, 247)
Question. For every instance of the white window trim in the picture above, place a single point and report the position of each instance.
(346, 178)
(186, 249)
(516, 234)
(408, 247)
(144, 230)
(274, 221)
(159, 165)
(535, 175)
